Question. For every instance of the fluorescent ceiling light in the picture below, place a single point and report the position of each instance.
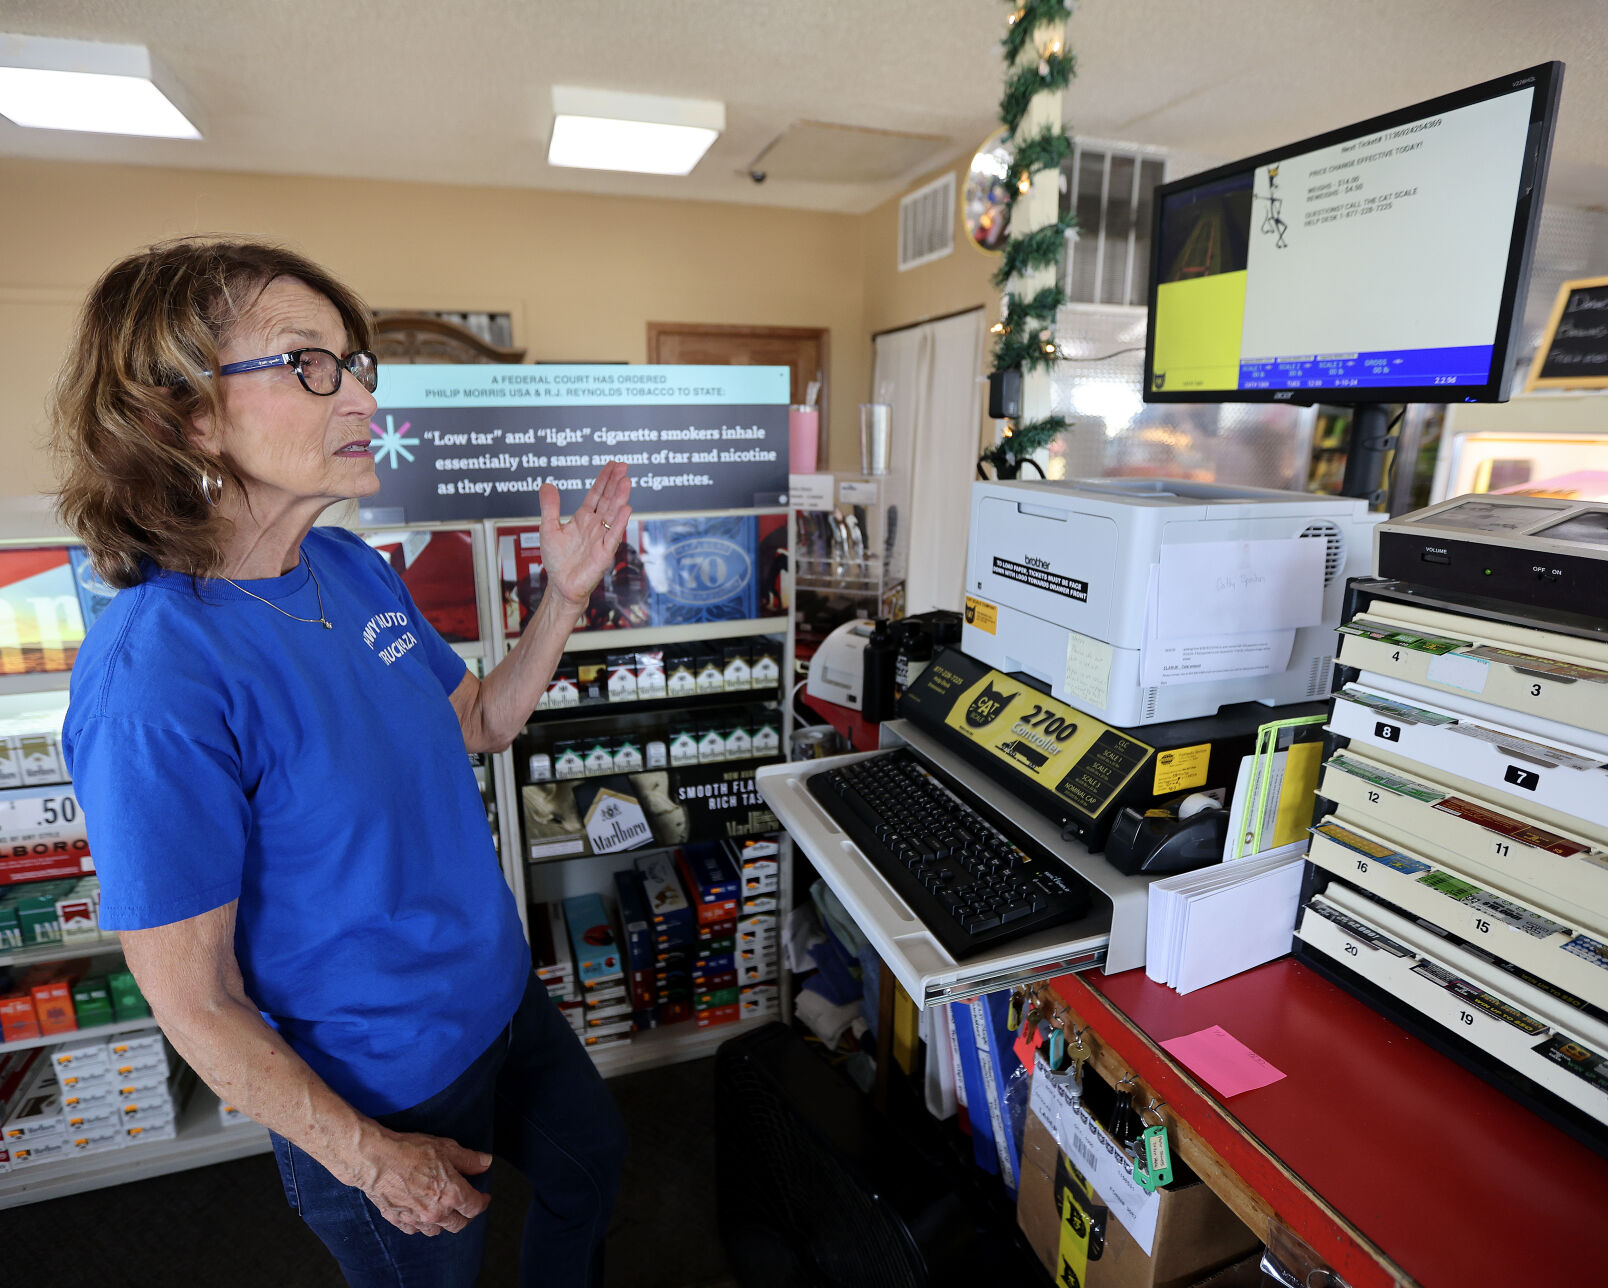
(89, 85)
(603, 130)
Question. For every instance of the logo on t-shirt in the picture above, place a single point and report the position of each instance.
(384, 622)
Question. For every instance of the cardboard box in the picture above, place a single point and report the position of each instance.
(1194, 1232)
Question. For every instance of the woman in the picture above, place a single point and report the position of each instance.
(269, 744)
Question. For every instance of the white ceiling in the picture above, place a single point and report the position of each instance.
(456, 91)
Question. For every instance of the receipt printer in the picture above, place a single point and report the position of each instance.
(1068, 582)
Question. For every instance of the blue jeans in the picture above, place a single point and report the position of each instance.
(532, 1098)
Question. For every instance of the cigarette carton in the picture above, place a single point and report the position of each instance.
(124, 1046)
(719, 1015)
(597, 954)
(759, 1000)
(710, 873)
(667, 901)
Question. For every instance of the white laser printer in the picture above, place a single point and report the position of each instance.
(1144, 600)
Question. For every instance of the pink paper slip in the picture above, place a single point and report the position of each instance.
(1225, 1062)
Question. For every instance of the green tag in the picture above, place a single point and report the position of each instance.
(1153, 1168)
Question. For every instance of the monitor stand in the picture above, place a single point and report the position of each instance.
(1365, 452)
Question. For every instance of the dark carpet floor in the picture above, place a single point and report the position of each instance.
(229, 1224)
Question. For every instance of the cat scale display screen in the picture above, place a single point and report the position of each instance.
(1377, 263)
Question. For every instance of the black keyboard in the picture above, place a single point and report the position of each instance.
(972, 885)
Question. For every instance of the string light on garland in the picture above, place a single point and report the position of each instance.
(1025, 337)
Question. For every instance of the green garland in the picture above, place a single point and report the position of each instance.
(1025, 332)
(1052, 73)
(1023, 442)
(1029, 17)
(1040, 248)
(1043, 151)
(1021, 344)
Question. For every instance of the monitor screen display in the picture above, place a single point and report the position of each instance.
(1377, 263)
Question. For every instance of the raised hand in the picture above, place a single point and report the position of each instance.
(577, 551)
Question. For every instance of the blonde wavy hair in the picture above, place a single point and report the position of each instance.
(134, 484)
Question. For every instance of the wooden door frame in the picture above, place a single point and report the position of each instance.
(821, 333)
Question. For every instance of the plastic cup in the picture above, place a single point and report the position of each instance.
(876, 433)
(803, 438)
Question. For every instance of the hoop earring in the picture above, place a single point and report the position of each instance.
(211, 488)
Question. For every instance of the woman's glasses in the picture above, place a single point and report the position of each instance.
(319, 370)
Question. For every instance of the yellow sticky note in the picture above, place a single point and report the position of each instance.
(1301, 765)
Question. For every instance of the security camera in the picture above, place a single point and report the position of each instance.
(758, 176)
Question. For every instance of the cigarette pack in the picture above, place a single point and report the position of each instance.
(681, 672)
(158, 1129)
(622, 677)
(53, 1003)
(736, 669)
(18, 1019)
(766, 667)
(714, 979)
(612, 1029)
(650, 674)
(710, 664)
(675, 1011)
(709, 999)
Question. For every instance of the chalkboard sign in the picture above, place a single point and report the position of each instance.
(1574, 349)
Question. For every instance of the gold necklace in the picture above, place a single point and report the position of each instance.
(317, 590)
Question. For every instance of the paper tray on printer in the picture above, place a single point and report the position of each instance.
(1112, 935)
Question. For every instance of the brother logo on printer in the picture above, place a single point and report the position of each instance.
(988, 706)
(706, 570)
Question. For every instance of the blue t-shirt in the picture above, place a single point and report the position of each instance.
(222, 751)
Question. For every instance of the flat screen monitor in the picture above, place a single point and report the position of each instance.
(1383, 262)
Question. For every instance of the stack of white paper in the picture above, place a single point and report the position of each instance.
(1207, 925)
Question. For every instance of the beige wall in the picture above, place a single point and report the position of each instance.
(581, 275)
(958, 281)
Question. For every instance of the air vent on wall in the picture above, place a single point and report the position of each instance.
(1110, 190)
(927, 223)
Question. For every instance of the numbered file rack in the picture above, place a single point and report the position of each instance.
(1458, 874)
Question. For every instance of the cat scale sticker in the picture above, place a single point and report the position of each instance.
(1082, 761)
